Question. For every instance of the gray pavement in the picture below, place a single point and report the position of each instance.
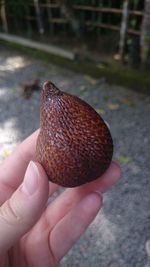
(118, 235)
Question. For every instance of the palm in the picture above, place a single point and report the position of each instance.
(34, 248)
(51, 237)
(22, 254)
(62, 221)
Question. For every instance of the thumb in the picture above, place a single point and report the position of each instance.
(19, 213)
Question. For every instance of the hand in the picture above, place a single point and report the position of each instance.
(33, 233)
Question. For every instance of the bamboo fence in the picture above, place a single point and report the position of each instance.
(50, 17)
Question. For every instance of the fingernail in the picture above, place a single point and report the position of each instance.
(30, 183)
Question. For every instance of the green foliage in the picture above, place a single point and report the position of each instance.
(133, 22)
(123, 159)
(106, 98)
(136, 2)
(17, 7)
(147, 37)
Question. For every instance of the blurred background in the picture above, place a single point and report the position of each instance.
(99, 51)
(119, 28)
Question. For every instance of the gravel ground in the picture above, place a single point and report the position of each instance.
(118, 235)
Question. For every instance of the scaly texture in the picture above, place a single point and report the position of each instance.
(74, 145)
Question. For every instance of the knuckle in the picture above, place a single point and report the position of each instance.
(9, 213)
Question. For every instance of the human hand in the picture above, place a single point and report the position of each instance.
(33, 233)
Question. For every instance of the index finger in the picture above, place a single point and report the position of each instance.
(12, 170)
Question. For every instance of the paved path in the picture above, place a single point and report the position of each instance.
(118, 235)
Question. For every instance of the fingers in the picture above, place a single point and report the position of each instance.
(70, 197)
(18, 161)
(71, 227)
(69, 215)
(52, 188)
(107, 180)
(22, 210)
(14, 167)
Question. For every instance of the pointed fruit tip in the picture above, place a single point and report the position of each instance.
(49, 89)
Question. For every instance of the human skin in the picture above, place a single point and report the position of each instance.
(32, 232)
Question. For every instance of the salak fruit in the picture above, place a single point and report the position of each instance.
(74, 145)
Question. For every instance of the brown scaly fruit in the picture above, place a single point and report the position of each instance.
(74, 145)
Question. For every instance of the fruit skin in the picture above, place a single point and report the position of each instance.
(74, 145)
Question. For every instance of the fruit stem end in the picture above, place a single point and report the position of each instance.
(49, 89)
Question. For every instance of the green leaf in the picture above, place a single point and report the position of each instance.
(6, 152)
(147, 37)
(106, 98)
(124, 159)
(90, 79)
(40, 73)
(113, 106)
(133, 23)
(82, 88)
(136, 2)
(100, 111)
(101, 66)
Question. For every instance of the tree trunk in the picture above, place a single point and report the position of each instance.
(66, 9)
(123, 29)
(145, 35)
(38, 17)
(3, 16)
